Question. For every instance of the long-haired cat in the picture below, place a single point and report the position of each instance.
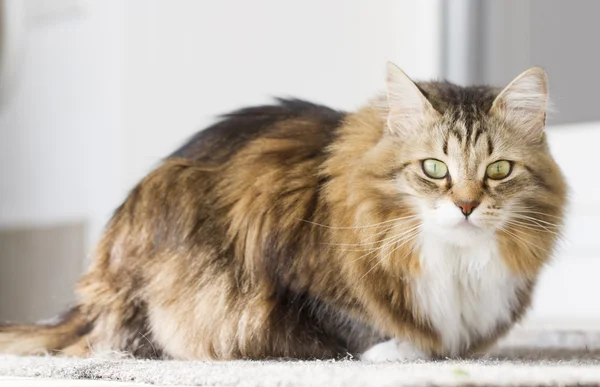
(413, 228)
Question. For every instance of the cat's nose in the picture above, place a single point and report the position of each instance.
(466, 207)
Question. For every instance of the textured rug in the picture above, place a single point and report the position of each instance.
(524, 359)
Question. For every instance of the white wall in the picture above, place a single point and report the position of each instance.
(568, 290)
(187, 61)
(60, 126)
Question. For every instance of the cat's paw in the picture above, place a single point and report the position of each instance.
(392, 350)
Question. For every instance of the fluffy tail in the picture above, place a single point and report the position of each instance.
(68, 330)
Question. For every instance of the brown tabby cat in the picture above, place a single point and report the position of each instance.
(413, 228)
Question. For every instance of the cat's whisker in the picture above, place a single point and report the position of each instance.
(369, 243)
(413, 236)
(396, 239)
(523, 216)
(516, 238)
(516, 215)
(524, 213)
(357, 227)
(561, 237)
(525, 242)
(381, 260)
(388, 229)
(369, 251)
(530, 226)
(531, 221)
(402, 238)
(529, 210)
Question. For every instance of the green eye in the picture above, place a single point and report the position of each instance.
(499, 170)
(435, 168)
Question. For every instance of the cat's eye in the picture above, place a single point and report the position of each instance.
(435, 169)
(499, 170)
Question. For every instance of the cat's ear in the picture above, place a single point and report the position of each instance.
(407, 105)
(523, 103)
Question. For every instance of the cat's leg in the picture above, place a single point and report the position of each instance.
(392, 350)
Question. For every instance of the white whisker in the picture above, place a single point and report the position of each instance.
(537, 222)
(528, 210)
(396, 239)
(368, 243)
(410, 238)
(526, 243)
(357, 227)
(530, 226)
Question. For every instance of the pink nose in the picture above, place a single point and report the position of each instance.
(466, 207)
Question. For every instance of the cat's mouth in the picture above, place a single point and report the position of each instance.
(470, 226)
(467, 225)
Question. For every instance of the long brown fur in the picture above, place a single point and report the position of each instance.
(263, 237)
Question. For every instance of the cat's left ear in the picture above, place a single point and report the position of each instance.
(523, 103)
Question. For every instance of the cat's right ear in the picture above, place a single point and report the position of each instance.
(407, 106)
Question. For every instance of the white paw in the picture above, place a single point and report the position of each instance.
(392, 350)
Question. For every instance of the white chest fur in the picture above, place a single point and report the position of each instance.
(465, 292)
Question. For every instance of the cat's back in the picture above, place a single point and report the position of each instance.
(295, 120)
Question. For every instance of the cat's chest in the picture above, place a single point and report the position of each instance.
(465, 293)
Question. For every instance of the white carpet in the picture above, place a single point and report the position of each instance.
(525, 359)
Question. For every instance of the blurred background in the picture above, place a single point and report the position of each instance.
(94, 93)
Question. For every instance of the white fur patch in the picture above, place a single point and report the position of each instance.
(464, 288)
(465, 291)
(392, 350)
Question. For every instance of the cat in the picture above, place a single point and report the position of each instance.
(413, 228)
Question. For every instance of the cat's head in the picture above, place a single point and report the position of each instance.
(474, 161)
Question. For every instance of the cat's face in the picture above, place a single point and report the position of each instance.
(473, 170)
